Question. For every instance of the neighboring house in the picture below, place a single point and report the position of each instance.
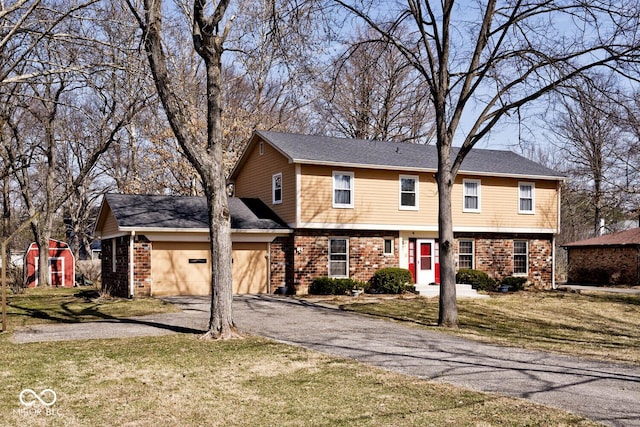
(310, 206)
(158, 245)
(62, 266)
(357, 206)
(611, 259)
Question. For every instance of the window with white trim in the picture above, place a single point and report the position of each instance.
(338, 257)
(526, 197)
(520, 257)
(343, 189)
(471, 195)
(409, 192)
(465, 254)
(276, 188)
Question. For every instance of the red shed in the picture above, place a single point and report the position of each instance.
(62, 266)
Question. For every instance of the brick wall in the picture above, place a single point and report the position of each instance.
(142, 266)
(493, 254)
(604, 265)
(281, 259)
(311, 255)
(115, 282)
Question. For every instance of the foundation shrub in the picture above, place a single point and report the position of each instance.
(477, 279)
(331, 286)
(514, 283)
(392, 280)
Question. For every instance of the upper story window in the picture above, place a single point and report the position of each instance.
(465, 254)
(526, 197)
(261, 148)
(276, 188)
(471, 195)
(520, 257)
(342, 189)
(409, 192)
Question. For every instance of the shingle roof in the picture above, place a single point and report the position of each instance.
(181, 212)
(378, 154)
(627, 237)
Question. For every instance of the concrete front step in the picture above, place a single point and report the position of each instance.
(462, 291)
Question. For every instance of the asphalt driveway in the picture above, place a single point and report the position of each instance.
(609, 393)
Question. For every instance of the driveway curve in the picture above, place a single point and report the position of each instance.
(604, 392)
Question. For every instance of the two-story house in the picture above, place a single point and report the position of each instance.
(346, 208)
(357, 206)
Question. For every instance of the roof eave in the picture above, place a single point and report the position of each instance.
(428, 170)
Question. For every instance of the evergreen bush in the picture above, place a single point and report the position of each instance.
(514, 283)
(477, 279)
(392, 280)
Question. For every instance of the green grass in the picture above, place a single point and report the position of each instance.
(595, 324)
(72, 305)
(182, 380)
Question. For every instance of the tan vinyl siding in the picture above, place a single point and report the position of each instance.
(254, 180)
(499, 204)
(376, 198)
(110, 226)
(376, 201)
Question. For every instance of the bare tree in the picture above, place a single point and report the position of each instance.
(483, 61)
(73, 105)
(590, 138)
(268, 76)
(375, 93)
(205, 153)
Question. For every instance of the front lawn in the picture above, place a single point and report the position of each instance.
(70, 305)
(180, 380)
(592, 324)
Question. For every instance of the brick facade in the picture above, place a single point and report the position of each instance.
(493, 254)
(281, 262)
(116, 281)
(142, 261)
(298, 259)
(604, 265)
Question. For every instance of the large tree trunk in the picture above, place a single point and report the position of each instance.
(44, 278)
(220, 321)
(206, 159)
(448, 310)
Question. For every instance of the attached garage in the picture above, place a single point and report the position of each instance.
(250, 268)
(158, 245)
(179, 268)
(184, 268)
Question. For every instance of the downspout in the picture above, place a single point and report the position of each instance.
(553, 262)
(553, 240)
(131, 264)
(268, 257)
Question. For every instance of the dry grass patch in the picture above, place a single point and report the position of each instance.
(594, 324)
(181, 380)
(71, 305)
